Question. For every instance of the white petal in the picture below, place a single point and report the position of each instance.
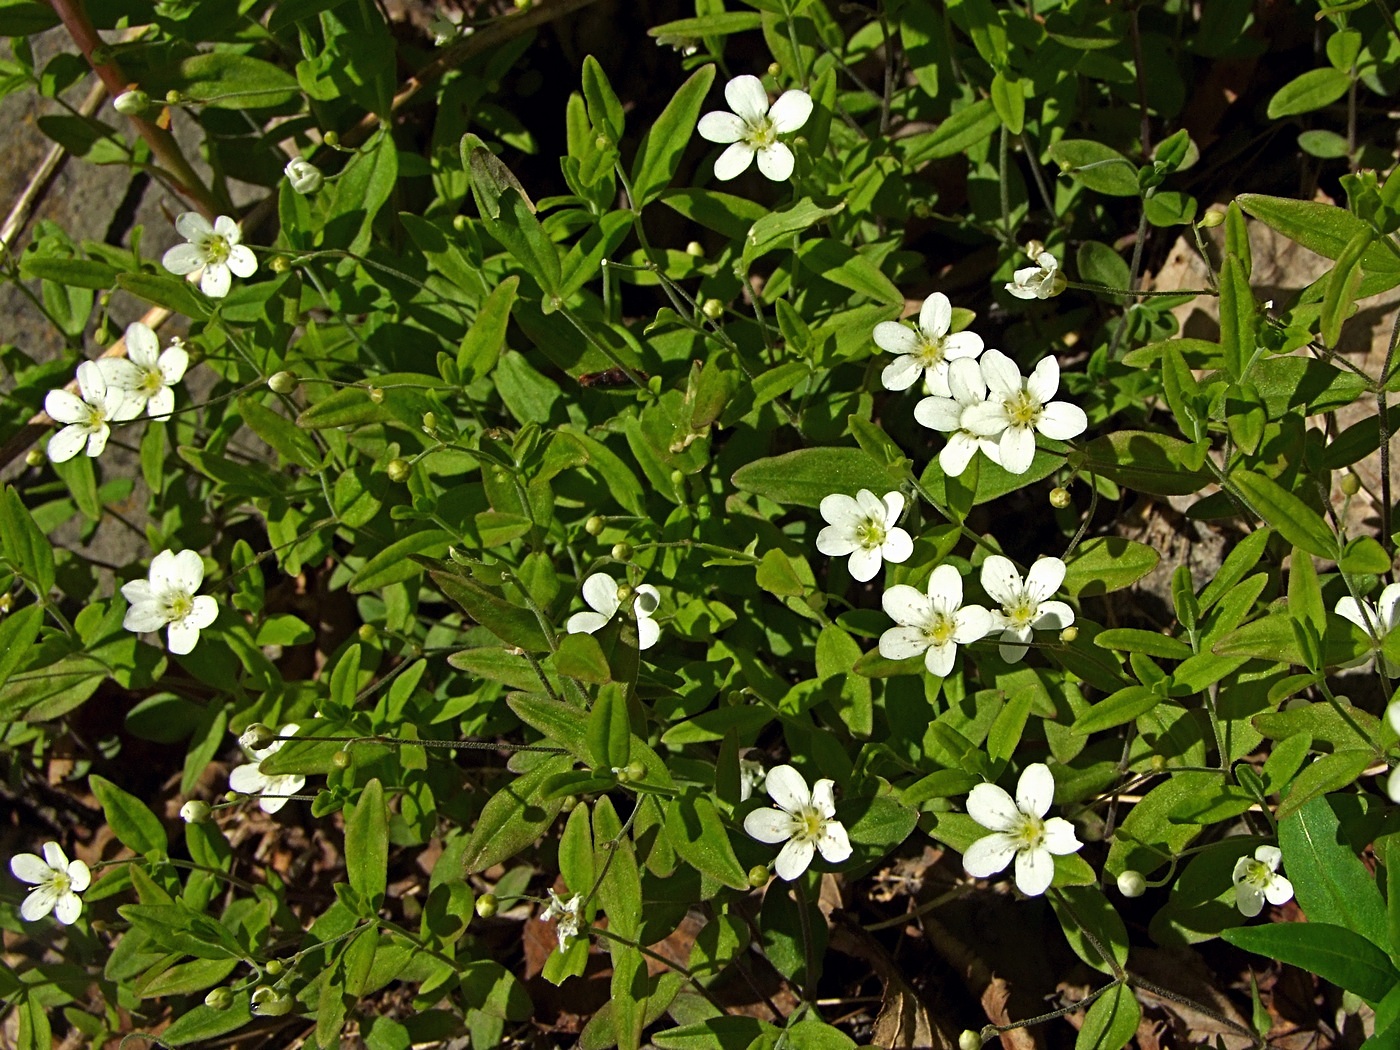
(1017, 449)
(1249, 899)
(734, 161)
(226, 228)
(1053, 616)
(1002, 376)
(585, 623)
(29, 867)
(936, 315)
(144, 617)
(1388, 606)
(1269, 856)
(1060, 838)
(182, 259)
(824, 798)
(898, 546)
(186, 571)
(161, 404)
(79, 876)
(1035, 870)
(67, 443)
(120, 373)
(770, 825)
(65, 407)
(173, 364)
(721, 127)
(902, 373)
(1060, 421)
(162, 573)
(993, 808)
(242, 261)
(776, 162)
(142, 346)
(973, 623)
(648, 631)
(247, 778)
(69, 907)
(945, 589)
(747, 98)
(833, 844)
(600, 592)
(216, 281)
(1035, 790)
(985, 419)
(55, 857)
(182, 637)
(97, 440)
(1044, 578)
(938, 413)
(906, 606)
(965, 380)
(840, 509)
(1001, 580)
(1278, 891)
(872, 508)
(791, 111)
(957, 454)
(894, 506)
(962, 345)
(91, 382)
(900, 643)
(895, 337)
(1360, 614)
(1042, 383)
(864, 564)
(193, 226)
(38, 904)
(786, 787)
(1012, 647)
(203, 612)
(647, 600)
(989, 855)
(794, 858)
(836, 541)
(940, 658)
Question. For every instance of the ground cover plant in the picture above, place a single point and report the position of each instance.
(789, 524)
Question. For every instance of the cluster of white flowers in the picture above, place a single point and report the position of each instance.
(272, 789)
(600, 592)
(168, 596)
(212, 253)
(804, 821)
(57, 881)
(753, 128)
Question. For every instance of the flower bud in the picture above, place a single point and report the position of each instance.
(922, 210)
(341, 760)
(257, 736)
(219, 999)
(1158, 763)
(593, 526)
(1132, 883)
(282, 382)
(235, 796)
(1069, 634)
(279, 264)
(758, 876)
(486, 905)
(331, 139)
(774, 69)
(623, 776)
(1059, 498)
(713, 309)
(173, 97)
(399, 470)
(1351, 484)
(429, 423)
(375, 394)
(695, 249)
(624, 592)
(274, 966)
(34, 458)
(1034, 248)
(368, 632)
(635, 770)
(267, 1002)
(102, 335)
(195, 812)
(1211, 219)
(622, 552)
(304, 176)
(131, 103)
(969, 1040)
(460, 223)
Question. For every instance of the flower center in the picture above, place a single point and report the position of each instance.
(870, 534)
(96, 417)
(761, 134)
(59, 881)
(1030, 834)
(1023, 410)
(178, 605)
(1258, 875)
(1021, 610)
(940, 629)
(151, 382)
(216, 249)
(808, 824)
(930, 351)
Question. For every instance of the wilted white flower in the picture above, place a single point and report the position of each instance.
(1041, 281)
(269, 1002)
(273, 788)
(804, 821)
(751, 778)
(214, 249)
(1020, 831)
(304, 176)
(57, 881)
(168, 597)
(753, 129)
(864, 527)
(1025, 607)
(1016, 408)
(87, 413)
(1377, 621)
(1257, 880)
(926, 351)
(145, 373)
(967, 387)
(934, 625)
(600, 592)
(567, 916)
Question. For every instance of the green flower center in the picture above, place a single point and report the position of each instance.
(216, 249)
(96, 418)
(940, 629)
(178, 605)
(870, 534)
(1023, 410)
(151, 382)
(761, 134)
(930, 351)
(1030, 835)
(60, 881)
(809, 825)
(1257, 875)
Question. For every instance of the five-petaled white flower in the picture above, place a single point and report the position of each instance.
(303, 176)
(1016, 408)
(600, 592)
(1041, 281)
(864, 527)
(1019, 830)
(804, 821)
(926, 351)
(1377, 621)
(87, 413)
(146, 373)
(934, 625)
(567, 916)
(214, 249)
(57, 881)
(1257, 880)
(967, 387)
(1025, 607)
(168, 597)
(753, 128)
(273, 789)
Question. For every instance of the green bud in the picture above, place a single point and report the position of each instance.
(713, 309)
(622, 552)
(35, 458)
(1351, 484)
(1069, 634)
(1211, 219)
(102, 335)
(1158, 764)
(1132, 883)
(623, 777)
(341, 760)
(593, 526)
(279, 264)
(635, 770)
(131, 103)
(774, 69)
(922, 210)
(1059, 498)
(274, 966)
(759, 876)
(235, 796)
(624, 593)
(570, 803)
(429, 422)
(195, 812)
(173, 97)
(969, 1040)
(375, 394)
(219, 999)
(257, 737)
(677, 478)
(331, 139)
(399, 470)
(368, 632)
(282, 382)
(486, 905)
(460, 223)
(695, 249)
(267, 1002)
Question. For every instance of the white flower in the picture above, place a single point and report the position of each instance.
(803, 820)
(751, 778)
(273, 788)
(600, 592)
(1019, 830)
(214, 249)
(935, 625)
(1377, 621)
(1258, 880)
(967, 387)
(864, 527)
(1016, 408)
(168, 597)
(926, 351)
(56, 881)
(87, 413)
(146, 374)
(754, 127)
(570, 921)
(1041, 281)
(304, 176)
(1024, 606)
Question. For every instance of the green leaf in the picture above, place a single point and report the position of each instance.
(25, 544)
(1330, 882)
(609, 736)
(1150, 643)
(201, 1023)
(514, 626)
(1334, 953)
(1116, 709)
(1271, 637)
(367, 844)
(1324, 774)
(1298, 523)
(1107, 563)
(1312, 90)
(722, 212)
(659, 155)
(620, 892)
(1143, 461)
(604, 108)
(806, 476)
(395, 563)
(1009, 99)
(18, 632)
(515, 816)
(1100, 168)
(720, 23)
(776, 229)
(80, 273)
(522, 235)
(580, 656)
(130, 819)
(1112, 1020)
(698, 835)
(841, 264)
(481, 347)
(576, 850)
(1081, 908)
(225, 79)
(629, 990)
(1238, 315)
(1340, 290)
(1322, 228)
(959, 133)
(717, 1033)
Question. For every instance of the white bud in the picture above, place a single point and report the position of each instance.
(304, 176)
(131, 103)
(1132, 883)
(195, 812)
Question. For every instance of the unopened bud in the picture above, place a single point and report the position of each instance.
(279, 264)
(460, 223)
(922, 210)
(399, 470)
(570, 803)
(621, 551)
(593, 526)
(623, 776)
(274, 966)
(331, 139)
(713, 309)
(624, 593)
(969, 1040)
(303, 176)
(677, 478)
(1069, 634)
(257, 736)
(34, 458)
(1158, 763)
(695, 249)
(1351, 484)
(430, 423)
(195, 812)
(235, 796)
(1132, 883)
(774, 69)
(131, 103)
(759, 876)
(1059, 498)
(341, 760)
(1211, 219)
(102, 335)
(486, 905)
(368, 632)
(375, 394)
(635, 770)
(173, 97)
(282, 382)
(219, 999)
